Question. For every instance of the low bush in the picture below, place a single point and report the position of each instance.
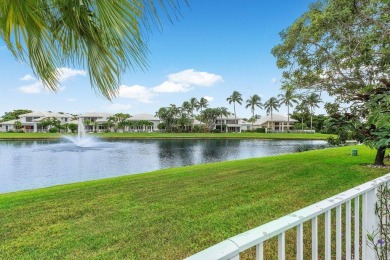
(53, 130)
(259, 130)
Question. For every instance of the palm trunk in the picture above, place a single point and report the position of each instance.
(253, 118)
(288, 118)
(221, 123)
(201, 115)
(192, 120)
(235, 117)
(380, 156)
(311, 119)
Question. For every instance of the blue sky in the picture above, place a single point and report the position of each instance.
(218, 46)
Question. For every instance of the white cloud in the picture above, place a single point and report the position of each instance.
(118, 107)
(197, 78)
(186, 80)
(209, 99)
(37, 87)
(141, 93)
(66, 73)
(34, 88)
(172, 87)
(179, 82)
(274, 80)
(27, 77)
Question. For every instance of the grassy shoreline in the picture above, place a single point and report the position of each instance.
(118, 136)
(172, 213)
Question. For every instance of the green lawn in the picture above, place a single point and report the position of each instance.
(172, 213)
(174, 135)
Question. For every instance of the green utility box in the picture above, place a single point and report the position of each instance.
(354, 152)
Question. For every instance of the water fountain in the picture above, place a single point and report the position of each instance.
(81, 140)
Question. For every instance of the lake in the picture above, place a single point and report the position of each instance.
(36, 164)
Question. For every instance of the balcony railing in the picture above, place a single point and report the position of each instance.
(352, 213)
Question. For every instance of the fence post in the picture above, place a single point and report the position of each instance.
(371, 223)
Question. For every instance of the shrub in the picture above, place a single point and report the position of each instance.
(53, 130)
(216, 131)
(259, 130)
(196, 128)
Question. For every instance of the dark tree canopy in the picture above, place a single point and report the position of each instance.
(14, 114)
(338, 46)
(343, 47)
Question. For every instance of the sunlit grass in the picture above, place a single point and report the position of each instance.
(172, 213)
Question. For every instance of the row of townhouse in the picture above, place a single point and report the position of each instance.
(96, 122)
(276, 123)
(30, 121)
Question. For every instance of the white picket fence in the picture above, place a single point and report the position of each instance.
(352, 207)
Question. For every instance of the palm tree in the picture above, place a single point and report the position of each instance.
(312, 101)
(105, 37)
(168, 116)
(235, 97)
(194, 105)
(17, 125)
(223, 111)
(270, 105)
(203, 103)
(253, 102)
(210, 115)
(119, 120)
(288, 99)
(302, 110)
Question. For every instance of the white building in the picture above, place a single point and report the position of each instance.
(30, 121)
(142, 118)
(231, 124)
(95, 122)
(278, 123)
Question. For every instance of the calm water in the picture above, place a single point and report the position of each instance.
(34, 164)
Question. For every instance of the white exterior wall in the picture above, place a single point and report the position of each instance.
(6, 127)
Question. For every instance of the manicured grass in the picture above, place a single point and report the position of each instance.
(22, 136)
(172, 213)
(218, 135)
(175, 135)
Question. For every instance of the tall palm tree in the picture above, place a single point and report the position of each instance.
(234, 98)
(105, 37)
(209, 116)
(312, 101)
(168, 116)
(302, 110)
(253, 102)
(186, 107)
(194, 106)
(203, 103)
(184, 118)
(223, 111)
(270, 105)
(288, 98)
(119, 120)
